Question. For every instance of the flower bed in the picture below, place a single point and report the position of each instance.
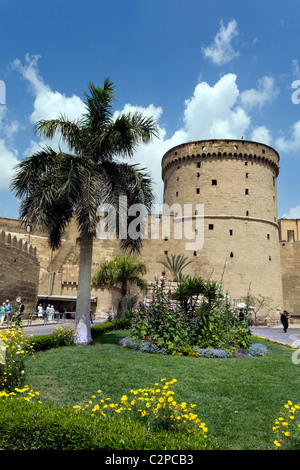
(196, 316)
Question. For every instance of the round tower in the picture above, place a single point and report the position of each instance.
(235, 182)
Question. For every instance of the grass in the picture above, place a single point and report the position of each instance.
(237, 398)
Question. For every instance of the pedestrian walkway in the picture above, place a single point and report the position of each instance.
(291, 337)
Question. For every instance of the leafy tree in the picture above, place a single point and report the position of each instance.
(56, 186)
(175, 264)
(122, 270)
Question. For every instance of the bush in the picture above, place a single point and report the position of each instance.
(257, 350)
(194, 321)
(14, 351)
(287, 427)
(27, 425)
(146, 346)
(59, 337)
(155, 407)
(220, 353)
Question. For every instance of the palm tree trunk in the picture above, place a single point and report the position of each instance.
(83, 304)
(123, 299)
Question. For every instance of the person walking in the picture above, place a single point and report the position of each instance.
(51, 313)
(2, 313)
(8, 309)
(284, 320)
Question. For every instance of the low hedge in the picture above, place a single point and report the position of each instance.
(32, 426)
(53, 340)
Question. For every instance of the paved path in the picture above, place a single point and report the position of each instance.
(291, 337)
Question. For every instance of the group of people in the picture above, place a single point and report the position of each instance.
(46, 314)
(6, 310)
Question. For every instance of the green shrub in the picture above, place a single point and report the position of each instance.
(12, 365)
(32, 426)
(59, 337)
(97, 330)
(201, 317)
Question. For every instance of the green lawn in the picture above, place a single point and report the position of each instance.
(238, 398)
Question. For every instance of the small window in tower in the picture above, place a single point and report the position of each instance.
(230, 232)
(246, 191)
(198, 175)
(210, 226)
(175, 153)
(196, 212)
(214, 182)
(178, 167)
(247, 174)
(268, 236)
(195, 253)
(246, 163)
(177, 178)
(166, 252)
(176, 193)
(198, 190)
(235, 147)
(247, 213)
(166, 239)
(231, 255)
(270, 258)
(274, 180)
(198, 164)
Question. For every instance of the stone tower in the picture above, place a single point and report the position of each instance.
(235, 181)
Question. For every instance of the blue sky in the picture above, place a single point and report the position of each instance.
(217, 69)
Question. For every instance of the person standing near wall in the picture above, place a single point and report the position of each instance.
(2, 313)
(8, 309)
(284, 320)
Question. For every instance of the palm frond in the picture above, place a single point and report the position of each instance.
(123, 135)
(99, 105)
(134, 183)
(70, 131)
(31, 169)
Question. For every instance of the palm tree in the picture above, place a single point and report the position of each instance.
(175, 264)
(56, 186)
(122, 270)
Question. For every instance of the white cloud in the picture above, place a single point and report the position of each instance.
(261, 134)
(285, 145)
(48, 104)
(221, 51)
(294, 213)
(8, 160)
(213, 111)
(265, 92)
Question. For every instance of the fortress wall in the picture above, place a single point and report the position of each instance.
(290, 265)
(19, 271)
(240, 230)
(235, 181)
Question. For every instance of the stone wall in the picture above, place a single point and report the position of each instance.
(234, 182)
(290, 265)
(19, 271)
